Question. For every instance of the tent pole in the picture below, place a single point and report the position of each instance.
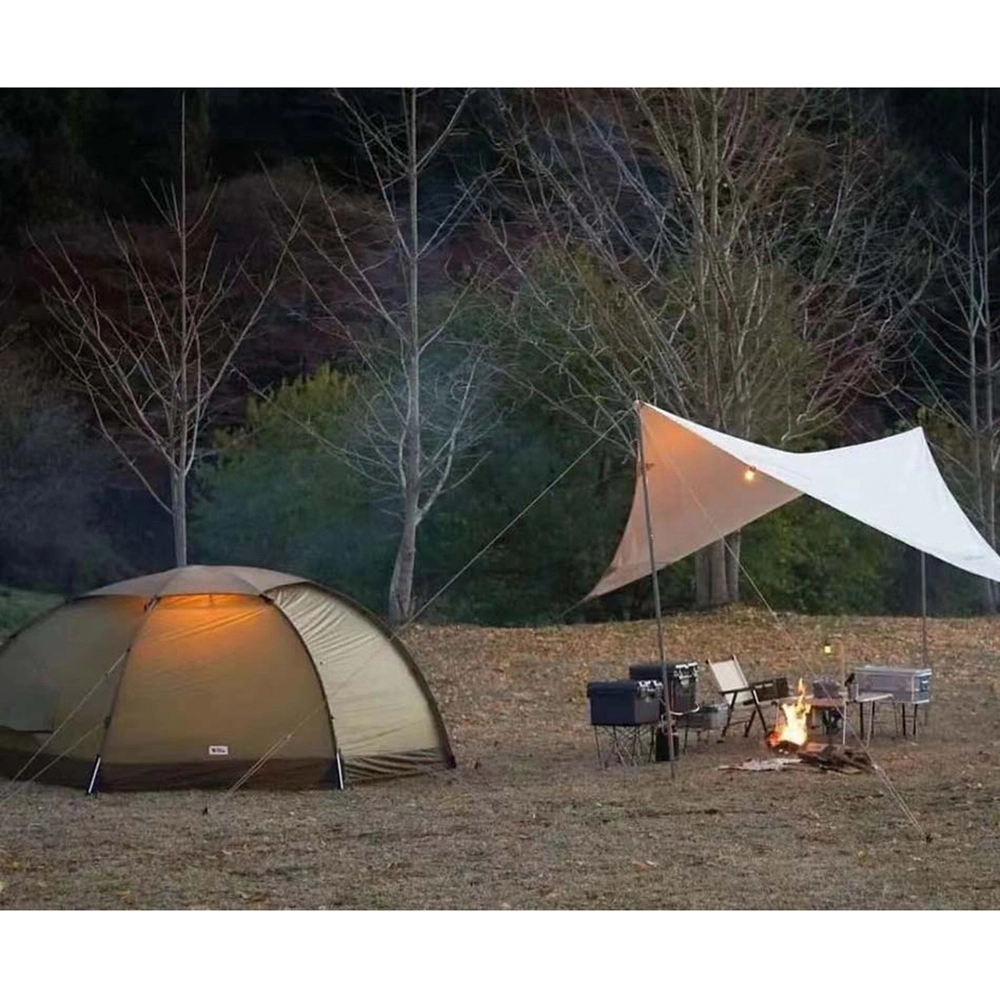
(667, 707)
(923, 607)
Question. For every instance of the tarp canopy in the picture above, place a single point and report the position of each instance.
(704, 484)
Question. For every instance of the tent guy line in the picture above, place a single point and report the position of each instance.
(17, 786)
(55, 732)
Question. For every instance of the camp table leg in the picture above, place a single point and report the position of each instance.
(757, 713)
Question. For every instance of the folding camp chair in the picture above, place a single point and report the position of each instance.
(741, 693)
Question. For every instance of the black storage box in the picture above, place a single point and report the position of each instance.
(773, 690)
(661, 752)
(682, 680)
(622, 702)
(827, 687)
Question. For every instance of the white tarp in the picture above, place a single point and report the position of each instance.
(703, 484)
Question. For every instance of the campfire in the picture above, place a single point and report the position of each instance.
(790, 735)
(791, 730)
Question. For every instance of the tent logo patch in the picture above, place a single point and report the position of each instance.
(218, 750)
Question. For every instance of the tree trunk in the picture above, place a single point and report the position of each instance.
(178, 510)
(178, 470)
(701, 577)
(990, 420)
(733, 566)
(401, 586)
(716, 581)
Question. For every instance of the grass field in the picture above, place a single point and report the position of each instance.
(17, 607)
(529, 821)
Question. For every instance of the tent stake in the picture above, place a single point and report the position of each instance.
(91, 786)
(923, 606)
(656, 599)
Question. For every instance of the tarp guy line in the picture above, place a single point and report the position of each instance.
(241, 780)
(879, 770)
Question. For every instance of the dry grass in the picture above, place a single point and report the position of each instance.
(529, 821)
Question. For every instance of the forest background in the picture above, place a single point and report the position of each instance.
(397, 316)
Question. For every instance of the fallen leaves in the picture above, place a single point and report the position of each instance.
(540, 825)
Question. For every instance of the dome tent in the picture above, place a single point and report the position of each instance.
(188, 678)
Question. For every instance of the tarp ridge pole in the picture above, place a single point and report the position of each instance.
(667, 707)
(883, 776)
(923, 608)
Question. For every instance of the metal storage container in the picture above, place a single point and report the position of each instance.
(908, 685)
(682, 678)
(707, 718)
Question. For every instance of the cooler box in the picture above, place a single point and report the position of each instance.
(623, 702)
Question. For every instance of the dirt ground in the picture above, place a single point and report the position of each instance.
(529, 820)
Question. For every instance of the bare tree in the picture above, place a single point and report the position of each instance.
(151, 354)
(422, 408)
(957, 371)
(736, 256)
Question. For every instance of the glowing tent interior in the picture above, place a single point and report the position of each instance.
(195, 676)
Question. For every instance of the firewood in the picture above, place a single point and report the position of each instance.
(843, 759)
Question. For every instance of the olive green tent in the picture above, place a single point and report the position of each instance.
(194, 676)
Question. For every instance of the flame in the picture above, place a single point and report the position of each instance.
(791, 725)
